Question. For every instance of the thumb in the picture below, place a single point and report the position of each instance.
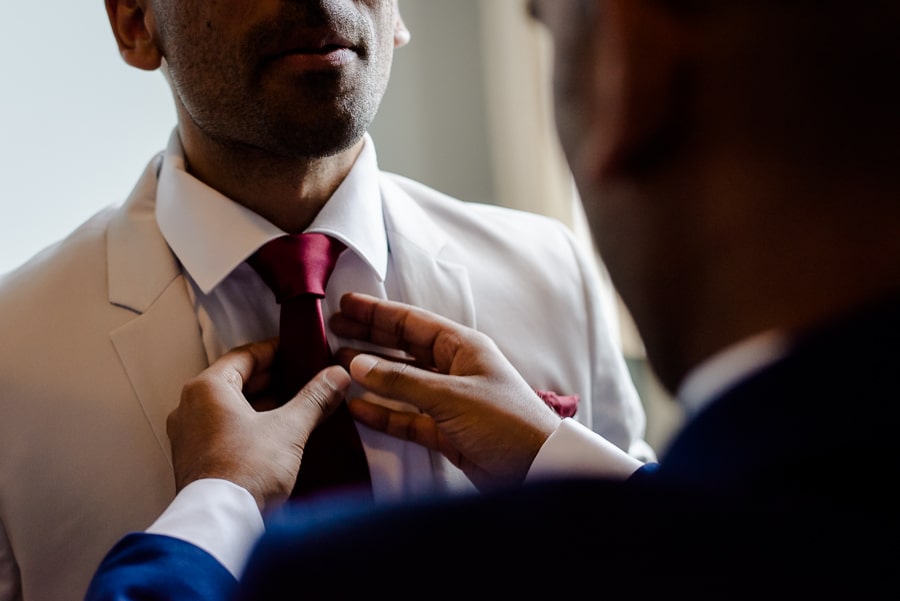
(319, 397)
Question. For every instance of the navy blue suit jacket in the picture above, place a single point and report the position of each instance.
(784, 487)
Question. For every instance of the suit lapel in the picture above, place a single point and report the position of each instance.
(427, 280)
(424, 278)
(161, 347)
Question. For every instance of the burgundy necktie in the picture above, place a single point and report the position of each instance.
(297, 268)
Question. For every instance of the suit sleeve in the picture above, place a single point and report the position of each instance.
(152, 567)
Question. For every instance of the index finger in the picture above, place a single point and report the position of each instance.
(396, 325)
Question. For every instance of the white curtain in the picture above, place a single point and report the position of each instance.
(530, 170)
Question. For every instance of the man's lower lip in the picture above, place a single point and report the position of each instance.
(311, 61)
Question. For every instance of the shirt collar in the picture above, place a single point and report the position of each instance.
(212, 235)
(730, 366)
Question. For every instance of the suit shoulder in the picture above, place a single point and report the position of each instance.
(488, 220)
(59, 269)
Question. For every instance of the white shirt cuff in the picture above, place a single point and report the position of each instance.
(216, 515)
(574, 450)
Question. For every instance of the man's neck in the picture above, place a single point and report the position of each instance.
(288, 192)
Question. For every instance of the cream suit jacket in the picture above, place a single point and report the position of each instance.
(98, 335)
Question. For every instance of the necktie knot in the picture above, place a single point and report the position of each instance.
(297, 264)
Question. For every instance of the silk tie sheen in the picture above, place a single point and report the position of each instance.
(297, 268)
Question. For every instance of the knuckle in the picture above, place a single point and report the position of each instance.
(319, 394)
(171, 422)
(450, 342)
(195, 389)
(399, 330)
(318, 399)
(233, 378)
(396, 373)
(411, 429)
(480, 339)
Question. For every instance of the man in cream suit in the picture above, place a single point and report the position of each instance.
(101, 330)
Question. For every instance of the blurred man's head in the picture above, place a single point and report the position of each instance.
(721, 148)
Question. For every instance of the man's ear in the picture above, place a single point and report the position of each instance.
(401, 33)
(132, 24)
(639, 63)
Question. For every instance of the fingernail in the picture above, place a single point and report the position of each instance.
(362, 364)
(338, 379)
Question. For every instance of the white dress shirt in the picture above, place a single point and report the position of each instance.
(728, 367)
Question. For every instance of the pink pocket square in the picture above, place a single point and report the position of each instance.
(564, 405)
